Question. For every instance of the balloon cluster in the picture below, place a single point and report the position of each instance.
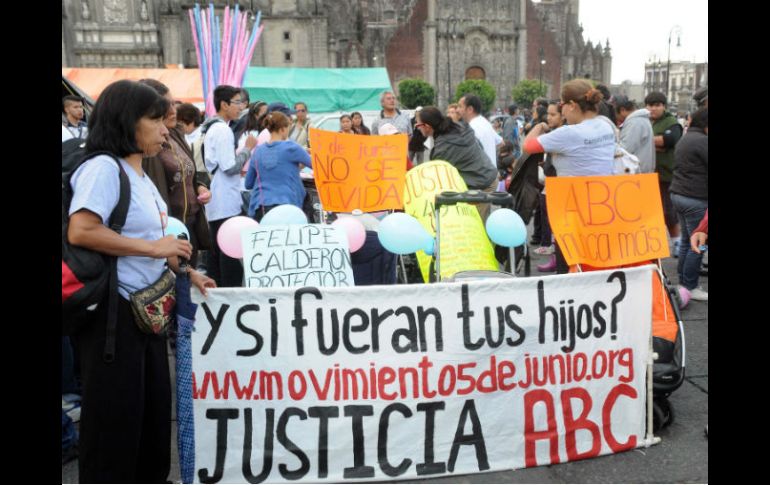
(401, 233)
(229, 235)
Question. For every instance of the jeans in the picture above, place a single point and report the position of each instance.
(545, 225)
(69, 435)
(69, 384)
(690, 212)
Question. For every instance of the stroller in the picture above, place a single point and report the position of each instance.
(667, 342)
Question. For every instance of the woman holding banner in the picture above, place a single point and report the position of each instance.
(273, 174)
(584, 147)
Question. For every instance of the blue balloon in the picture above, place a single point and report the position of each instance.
(175, 227)
(284, 214)
(401, 233)
(505, 228)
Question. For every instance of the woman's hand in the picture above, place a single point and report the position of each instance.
(170, 246)
(204, 196)
(201, 282)
(696, 240)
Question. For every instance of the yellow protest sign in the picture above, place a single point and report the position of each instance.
(464, 242)
(607, 221)
(358, 171)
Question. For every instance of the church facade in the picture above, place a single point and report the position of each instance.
(441, 41)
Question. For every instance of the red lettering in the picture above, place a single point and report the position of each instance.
(321, 393)
(386, 376)
(617, 205)
(369, 190)
(502, 374)
(571, 424)
(246, 392)
(392, 193)
(530, 435)
(491, 374)
(295, 394)
(602, 202)
(572, 206)
(462, 377)
(446, 390)
(609, 403)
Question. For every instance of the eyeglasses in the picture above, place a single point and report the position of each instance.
(237, 101)
(417, 125)
(301, 110)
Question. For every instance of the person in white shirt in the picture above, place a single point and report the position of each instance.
(224, 165)
(470, 107)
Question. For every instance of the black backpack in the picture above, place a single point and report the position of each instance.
(87, 275)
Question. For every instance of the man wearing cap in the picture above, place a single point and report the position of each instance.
(224, 165)
(667, 132)
(635, 131)
(390, 114)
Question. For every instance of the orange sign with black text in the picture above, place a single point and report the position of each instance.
(607, 221)
(359, 171)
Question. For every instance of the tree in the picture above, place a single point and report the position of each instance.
(415, 92)
(479, 87)
(525, 92)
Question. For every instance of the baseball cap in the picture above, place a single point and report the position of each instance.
(277, 106)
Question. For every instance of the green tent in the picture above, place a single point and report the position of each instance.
(324, 90)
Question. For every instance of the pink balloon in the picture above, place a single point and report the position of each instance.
(229, 235)
(684, 295)
(354, 230)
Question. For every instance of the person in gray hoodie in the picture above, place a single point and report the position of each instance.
(635, 132)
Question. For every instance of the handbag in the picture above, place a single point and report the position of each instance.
(624, 162)
(153, 306)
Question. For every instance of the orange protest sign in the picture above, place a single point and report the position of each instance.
(607, 221)
(359, 171)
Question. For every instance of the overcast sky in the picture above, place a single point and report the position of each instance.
(639, 29)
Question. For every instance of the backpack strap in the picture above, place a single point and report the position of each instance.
(205, 130)
(117, 221)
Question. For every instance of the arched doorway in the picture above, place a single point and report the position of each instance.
(475, 72)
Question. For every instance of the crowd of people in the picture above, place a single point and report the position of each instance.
(247, 159)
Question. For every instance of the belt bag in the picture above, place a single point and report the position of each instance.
(153, 307)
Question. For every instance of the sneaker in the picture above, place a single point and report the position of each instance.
(544, 250)
(698, 294)
(71, 409)
(548, 267)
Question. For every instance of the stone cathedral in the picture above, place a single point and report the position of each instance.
(441, 41)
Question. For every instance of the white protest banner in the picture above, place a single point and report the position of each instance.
(414, 381)
(296, 255)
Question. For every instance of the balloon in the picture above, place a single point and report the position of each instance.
(684, 296)
(175, 227)
(505, 228)
(403, 234)
(229, 235)
(354, 230)
(284, 214)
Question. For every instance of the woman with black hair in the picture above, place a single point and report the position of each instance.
(125, 427)
(457, 144)
(358, 124)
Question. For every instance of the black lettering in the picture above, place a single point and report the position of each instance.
(410, 333)
(475, 439)
(222, 416)
(359, 469)
(512, 325)
(291, 447)
(215, 324)
(543, 310)
(245, 329)
(298, 321)
(347, 329)
(430, 466)
(382, 441)
(323, 413)
(267, 454)
(466, 315)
